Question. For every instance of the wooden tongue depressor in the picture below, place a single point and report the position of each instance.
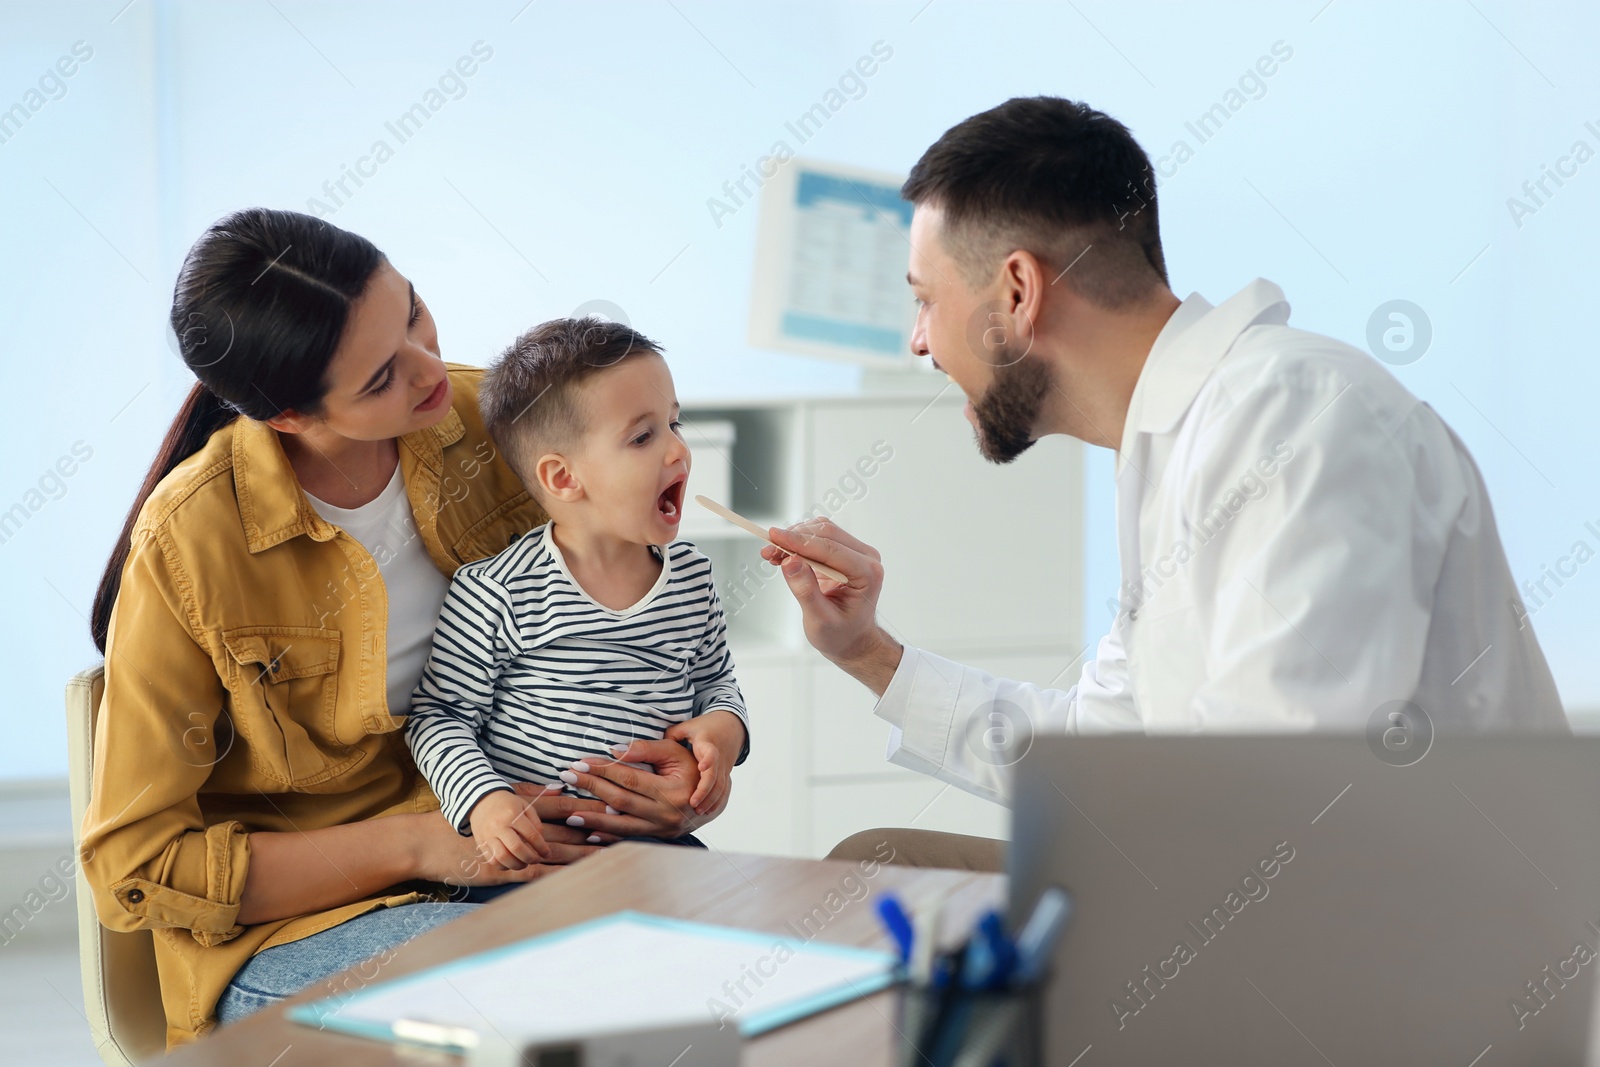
(755, 531)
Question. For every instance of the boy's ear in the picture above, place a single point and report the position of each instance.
(557, 480)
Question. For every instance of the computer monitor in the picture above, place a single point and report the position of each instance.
(1315, 899)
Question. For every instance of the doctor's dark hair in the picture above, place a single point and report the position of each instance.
(258, 309)
(1052, 177)
(530, 397)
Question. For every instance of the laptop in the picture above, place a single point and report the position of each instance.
(1314, 899)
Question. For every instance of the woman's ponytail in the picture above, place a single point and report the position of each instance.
(203, 413)
(259, 306)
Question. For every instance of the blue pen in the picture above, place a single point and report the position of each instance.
(991, 928)
(898, 923)
(978, 966)
(985, 963)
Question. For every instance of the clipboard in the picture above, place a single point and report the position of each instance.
(620, 971)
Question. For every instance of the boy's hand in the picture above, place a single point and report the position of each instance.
(716, 738)
(507, 830)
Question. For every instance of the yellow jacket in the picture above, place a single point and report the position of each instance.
(245, 687)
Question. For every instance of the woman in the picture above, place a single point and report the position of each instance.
(265, 615)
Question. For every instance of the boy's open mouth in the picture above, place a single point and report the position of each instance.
(670, 502)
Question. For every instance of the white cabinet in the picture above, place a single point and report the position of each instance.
(908, 800)
(762, 815)
(961, 537)
(983, 564)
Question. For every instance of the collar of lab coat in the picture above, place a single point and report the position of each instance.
(1187, 350)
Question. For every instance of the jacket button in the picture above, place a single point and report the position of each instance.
(135, 896)
(273, 667)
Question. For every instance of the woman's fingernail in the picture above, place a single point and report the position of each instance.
(569, 777)
(574, 820)
(593, 839)
(577, 765)
(612, 811)
(617, 750)
(552, 785)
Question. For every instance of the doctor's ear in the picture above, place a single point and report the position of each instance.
(557, 480)
(1004, 325)
(1023, 284)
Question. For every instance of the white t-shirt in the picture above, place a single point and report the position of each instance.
(387, 529)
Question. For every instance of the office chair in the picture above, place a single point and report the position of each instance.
(121, 993)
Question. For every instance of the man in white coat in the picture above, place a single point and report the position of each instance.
(1304, 544)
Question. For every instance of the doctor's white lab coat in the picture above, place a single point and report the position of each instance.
(1303, 543)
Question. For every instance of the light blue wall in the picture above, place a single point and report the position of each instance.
(1375, 164)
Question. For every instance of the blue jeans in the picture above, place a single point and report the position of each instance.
(284, 970)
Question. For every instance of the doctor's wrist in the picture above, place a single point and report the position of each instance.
(874, 662)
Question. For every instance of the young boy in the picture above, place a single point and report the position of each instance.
(593, 629)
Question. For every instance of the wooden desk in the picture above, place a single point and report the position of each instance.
(734, 889)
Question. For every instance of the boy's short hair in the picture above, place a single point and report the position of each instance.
(530, 396)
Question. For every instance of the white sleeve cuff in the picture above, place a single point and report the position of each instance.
(891, 706)
(920, 706)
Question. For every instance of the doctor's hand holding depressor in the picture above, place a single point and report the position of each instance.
(840, 621)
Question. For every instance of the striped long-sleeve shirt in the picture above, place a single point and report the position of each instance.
(529, 673)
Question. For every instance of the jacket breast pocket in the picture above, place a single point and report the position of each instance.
(495, 532)
(283, 681)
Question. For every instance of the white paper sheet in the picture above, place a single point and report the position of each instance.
(622, 972)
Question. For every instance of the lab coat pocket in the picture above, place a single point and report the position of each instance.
(1169, 667)
(283, 684)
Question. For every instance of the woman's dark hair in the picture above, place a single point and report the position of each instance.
(258, 309)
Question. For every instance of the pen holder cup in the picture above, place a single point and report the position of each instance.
(953, 1027)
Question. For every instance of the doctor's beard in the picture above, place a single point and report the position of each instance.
(1008, 410)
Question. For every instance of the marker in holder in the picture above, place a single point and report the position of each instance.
(982, 1004)
(944, 1027)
